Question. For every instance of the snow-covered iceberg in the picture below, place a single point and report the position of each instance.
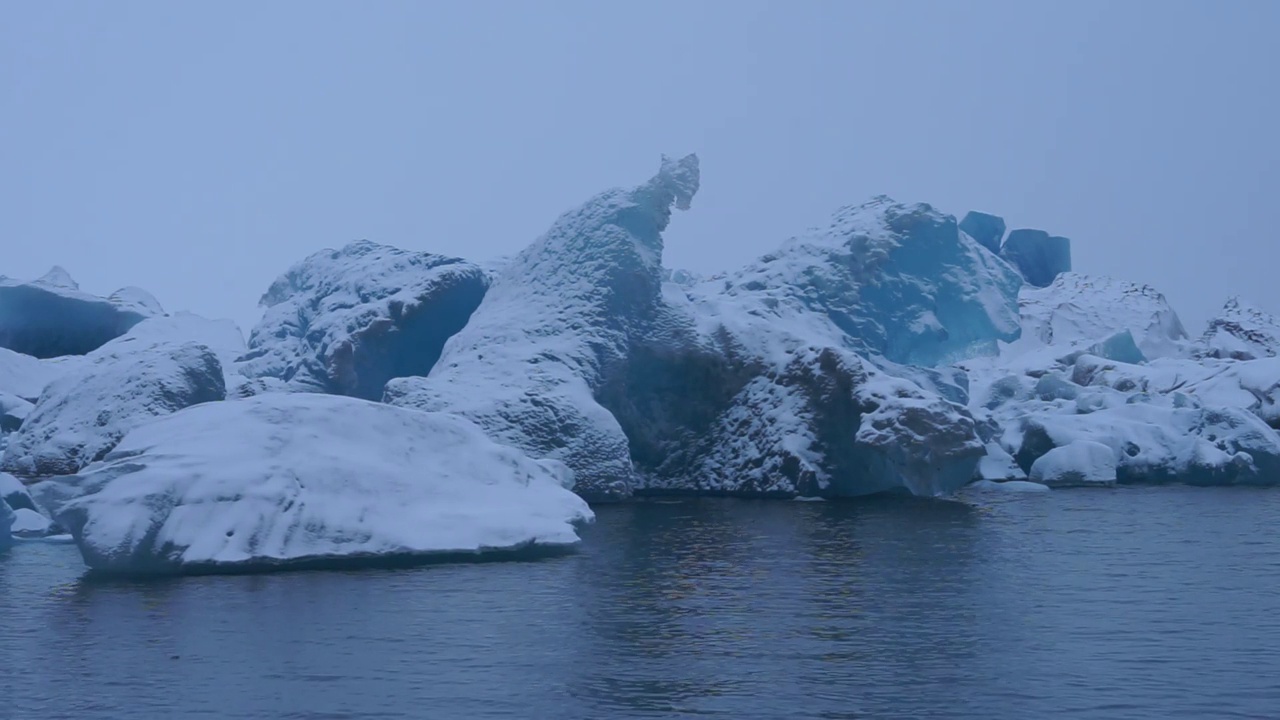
(288, 479)
(347, 321)
(1241, 331)
(150, 371)
(787, 377)
(556, 320)
(51, 317)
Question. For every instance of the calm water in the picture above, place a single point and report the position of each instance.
(1143, 603)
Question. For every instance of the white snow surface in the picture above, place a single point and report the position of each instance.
(346, 321)
(150, 371)
(1007, 486)
(29, 523)
(288, 478)
(1078, 310)
(1077, 464)
(1242, 331)
(528, 363)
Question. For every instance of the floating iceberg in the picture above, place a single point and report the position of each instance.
(82, 415)
(557, 318)
(347, 321)
(288, 479)
(51, 317)
(1081, 463)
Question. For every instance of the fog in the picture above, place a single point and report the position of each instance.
(199, 150)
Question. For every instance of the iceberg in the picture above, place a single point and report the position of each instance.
(1081, 463)
(346, 321)
(82, 415)
(557, 318)
(988, 230)
(14, 493)
(50, 317)
(1240, 332)
(790, 377)
(1039, 256)
(284, 480)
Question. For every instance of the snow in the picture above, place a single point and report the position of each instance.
(347, 321)
(26, 377)
(284, 479)
(1077, 464)
(29, 523)
(998, 465)
(50, 317)
(13, 492)
(557, 316)
(80, 416)
(1078, 310)
(1241, 331)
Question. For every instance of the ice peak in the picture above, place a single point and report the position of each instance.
(58, 277)
(680, 178)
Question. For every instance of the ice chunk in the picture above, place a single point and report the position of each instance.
(1039, 256)
(13, 410)
(1240, 332)
(347, 321)
(81, 416)
(988, 230)
(557, 317)
(51, 317)
(286, 479)
(13, 492)
(998, 465)
(1078, 464)
(29, 523)
(1082, 310)
(1010, 486)
(899, 280)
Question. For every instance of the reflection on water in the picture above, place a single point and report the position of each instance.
(1133, 603)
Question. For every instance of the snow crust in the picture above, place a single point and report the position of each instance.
(51, 317)
(1241, 331)
(347, 321)
(151, 371)
(284, 479)
(1078, 463)
(557, 318)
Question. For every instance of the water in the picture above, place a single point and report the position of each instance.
(1133, 603)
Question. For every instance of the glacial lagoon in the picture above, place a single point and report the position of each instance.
(1153, 602)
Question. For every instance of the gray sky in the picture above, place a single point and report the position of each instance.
(197, 150)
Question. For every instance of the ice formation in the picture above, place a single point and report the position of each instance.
(286, 479)
(1039, 256)
(1078, 463)
(1241, 332)
(51, 317)
(347, 321)
(558, 318)
(81, 416)
(988, 230)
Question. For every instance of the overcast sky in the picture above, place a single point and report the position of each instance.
(199, 149)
